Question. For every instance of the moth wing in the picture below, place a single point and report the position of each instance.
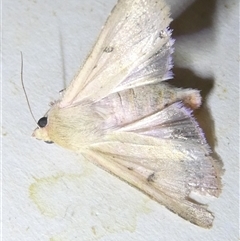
(165, 156)
(133, 49)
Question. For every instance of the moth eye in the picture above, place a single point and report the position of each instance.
(42, 122)
(49, 142)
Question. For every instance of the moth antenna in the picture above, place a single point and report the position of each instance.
(63, 62)
(24, 90)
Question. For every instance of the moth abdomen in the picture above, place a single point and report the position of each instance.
(130, 105)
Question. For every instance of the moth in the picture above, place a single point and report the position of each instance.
(120, 113)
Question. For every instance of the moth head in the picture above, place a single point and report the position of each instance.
(41, 132)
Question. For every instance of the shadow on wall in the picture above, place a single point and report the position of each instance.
(196, 18)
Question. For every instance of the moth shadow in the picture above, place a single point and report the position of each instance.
(185, 78)
(198, 16)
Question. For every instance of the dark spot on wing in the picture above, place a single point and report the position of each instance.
(151, 177)
(108, 49)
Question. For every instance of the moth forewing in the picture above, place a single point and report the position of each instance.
(193, 212)
(134, 31)
(121, 116)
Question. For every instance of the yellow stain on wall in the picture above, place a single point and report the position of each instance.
(87, 205)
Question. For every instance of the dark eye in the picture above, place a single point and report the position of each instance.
(42, 122)
(48, 142)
